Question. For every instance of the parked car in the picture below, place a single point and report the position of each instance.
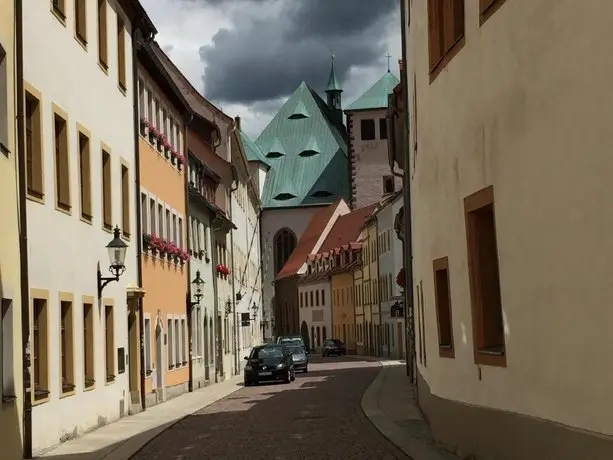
(292, 340)
(333, 347)
(300, 358)
(269, 362)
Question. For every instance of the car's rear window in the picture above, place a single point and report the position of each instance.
(267, 352)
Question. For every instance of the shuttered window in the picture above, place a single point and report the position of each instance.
(445, 30)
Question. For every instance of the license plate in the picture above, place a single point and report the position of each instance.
(263, 374)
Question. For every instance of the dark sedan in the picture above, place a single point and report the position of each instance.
(300, 358)
(333, 347)
(267, 363)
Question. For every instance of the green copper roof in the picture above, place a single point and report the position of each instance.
(321, 176)
(252, 151)
(333, 84)
(376, 96)
(299, 111)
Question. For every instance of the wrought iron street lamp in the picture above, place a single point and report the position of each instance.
(197, 285)
(117, 255)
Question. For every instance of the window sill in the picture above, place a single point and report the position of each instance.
(107, 228)
(59, 16)
(87, 219)
(455, 49)
(110, 379)
(446, 352)
(67, 394)
(122, 89)
(90, 387)
(103, 66)
(41, 398)
(8, 399)
(63, 208)
(35, 196)
(148, 373)
(81, 41)
(491, 358)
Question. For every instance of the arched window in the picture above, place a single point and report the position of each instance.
(284, 244)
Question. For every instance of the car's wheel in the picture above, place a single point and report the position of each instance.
(293, 377)
(306, 370)
(288, 377)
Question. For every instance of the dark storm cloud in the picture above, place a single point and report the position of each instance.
(266, 56)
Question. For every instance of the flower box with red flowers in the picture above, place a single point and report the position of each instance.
(401, 278)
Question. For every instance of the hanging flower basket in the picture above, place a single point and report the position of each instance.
(400, 278)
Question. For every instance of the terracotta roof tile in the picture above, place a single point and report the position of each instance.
(308, 240)
(347, 228)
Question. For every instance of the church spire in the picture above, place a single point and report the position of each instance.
(333, 91)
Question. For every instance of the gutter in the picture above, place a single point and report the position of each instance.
(235, 341)
(137, 42)
(408, 237)
(23, 233)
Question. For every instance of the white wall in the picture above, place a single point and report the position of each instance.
(63, 250)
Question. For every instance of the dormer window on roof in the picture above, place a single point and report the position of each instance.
(276, 150)
(284, 196)
(321, 194)
(311, 149)
(309, 268)
(274, 155)
(299, 112)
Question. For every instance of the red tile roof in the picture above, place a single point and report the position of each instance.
(347, 228)
(308, 240)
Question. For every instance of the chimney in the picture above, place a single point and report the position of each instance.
(237, 122)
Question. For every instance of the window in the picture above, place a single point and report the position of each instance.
(484, 278)
(284, 244)
(301, 299)
(40, 359)
(62, 175)
(160, 220)
(147, 346)
(143, 213)
(109, 342)
(183, 342)
(59, 8)
(180, 233)
(7, 380)
(67, 346)
(382, 128)
(141, 103)
(388, 184)
(4, 125)
(317, 298)
(85, 177)
(177, 344)
(367, 129)
(125, 201)
(442, 297)
(149, 105)
(107, 209)
(167, 235)
(80, 20)
(34, 153)
(88, 345)
(311, 298)
(323, 297)
(174, 229)
(102, 35)
(121, 52)
(170, 344)
(445, 30)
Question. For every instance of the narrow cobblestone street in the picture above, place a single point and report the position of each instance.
(318, 416)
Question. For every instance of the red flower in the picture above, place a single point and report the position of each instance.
(401, 278)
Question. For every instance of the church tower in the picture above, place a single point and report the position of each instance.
(334, 91)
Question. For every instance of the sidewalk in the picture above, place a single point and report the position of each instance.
(122, 439)
(390, 405)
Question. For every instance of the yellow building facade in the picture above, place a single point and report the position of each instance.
(11, 381)
(343, 309)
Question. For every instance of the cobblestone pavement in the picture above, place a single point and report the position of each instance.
(316, 417)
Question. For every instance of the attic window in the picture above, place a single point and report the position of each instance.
(321, 194)
(297, 116)
(284, 196)
(308, 153)
(274, 155)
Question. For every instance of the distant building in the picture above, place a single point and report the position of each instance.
(367, 127)
(305, 149)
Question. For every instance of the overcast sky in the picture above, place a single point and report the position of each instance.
(248, 56)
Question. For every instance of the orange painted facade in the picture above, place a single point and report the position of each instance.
(163, 219)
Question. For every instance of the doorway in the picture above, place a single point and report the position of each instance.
(133, 356)
(399, 340)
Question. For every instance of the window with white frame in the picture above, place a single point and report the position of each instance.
(180, 233)
(147, 346)
(177, 345)
(143, 207)
(183, 341)
(170, 343)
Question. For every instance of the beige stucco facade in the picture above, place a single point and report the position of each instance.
(343, 309)
(11, 381)
(521, 106)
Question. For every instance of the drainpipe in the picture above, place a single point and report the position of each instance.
(23, 234)
(381, 328)
(261, 253)
(137, 42)
(215, 332)
(235, 341)
(408, 237)
(188, 295)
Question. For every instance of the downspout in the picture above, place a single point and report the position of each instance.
(215, 331)
(408, 238)
(381, 328)
(188, 295)
(137, 43)
(261, 253)
(23, 234)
